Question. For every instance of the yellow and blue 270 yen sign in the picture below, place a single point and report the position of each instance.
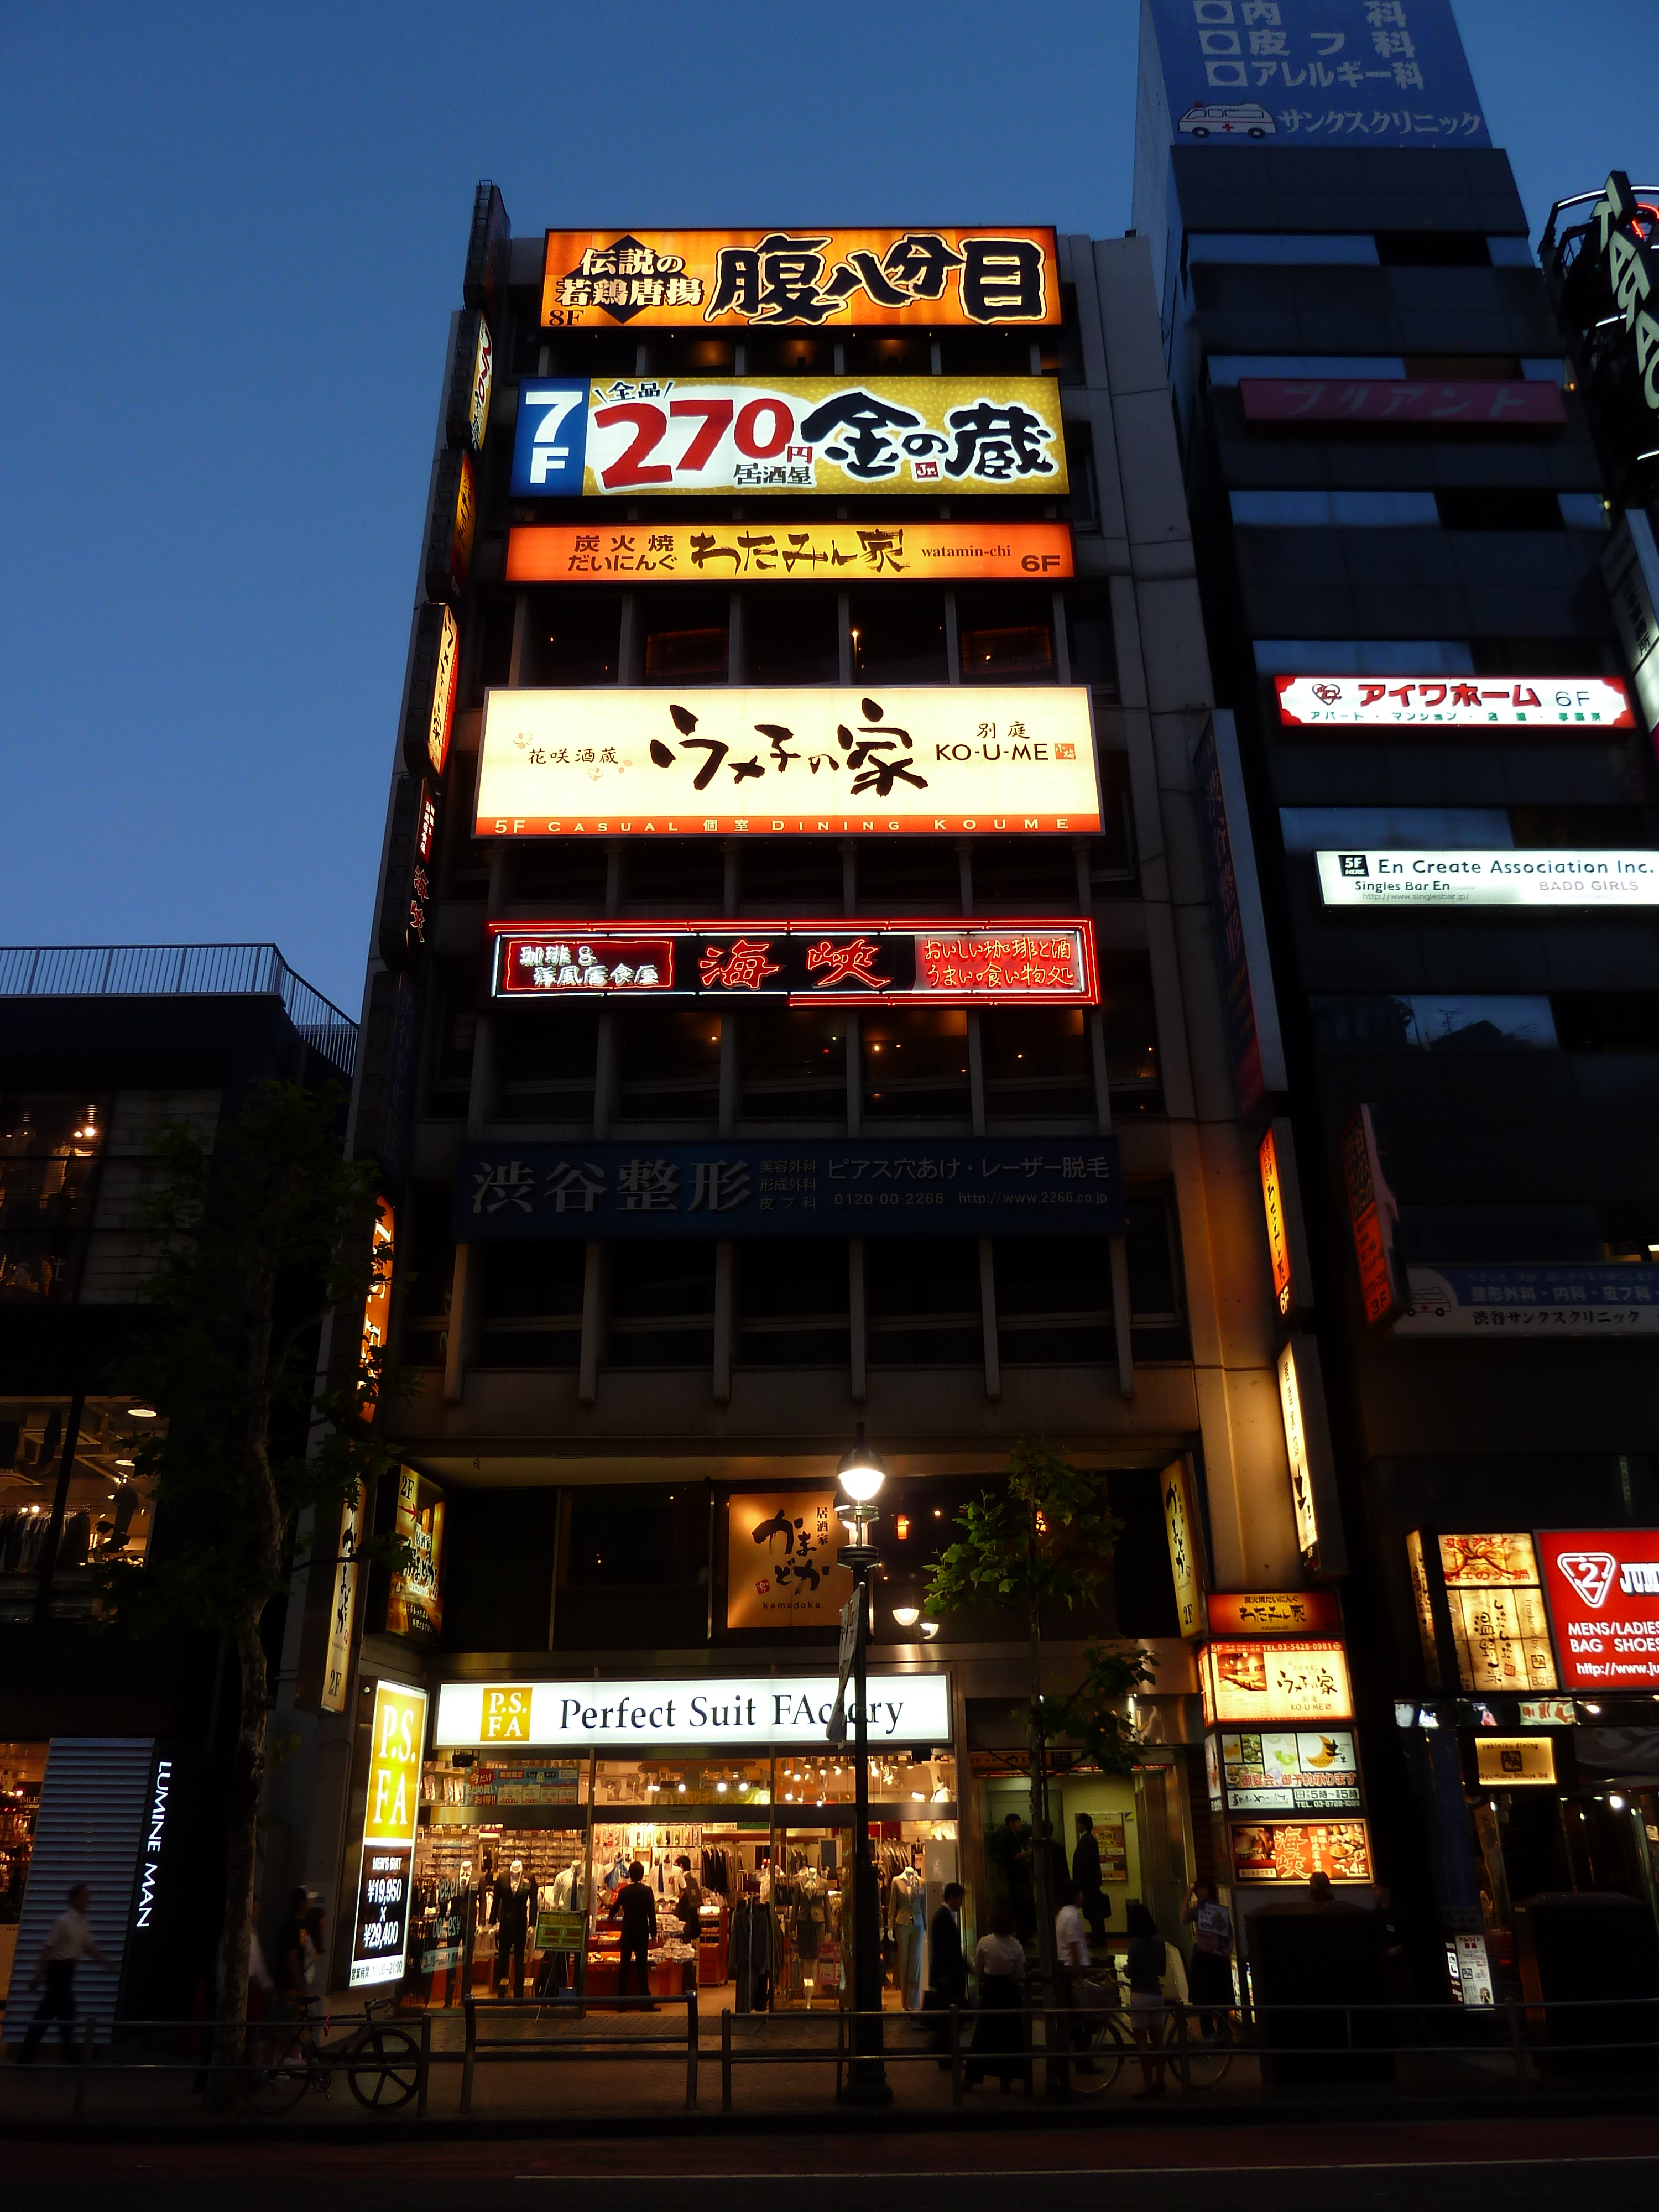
(650, 435)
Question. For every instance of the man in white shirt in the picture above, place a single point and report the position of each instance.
(68, 1940)
(1072, 1953)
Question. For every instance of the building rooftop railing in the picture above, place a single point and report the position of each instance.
(171, 971)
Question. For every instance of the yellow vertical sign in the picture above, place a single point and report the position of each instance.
(1186, 1556)
(390, 1810)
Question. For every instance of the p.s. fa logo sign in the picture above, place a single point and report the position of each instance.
(505, 1715)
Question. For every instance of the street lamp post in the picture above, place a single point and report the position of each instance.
(861, 1473)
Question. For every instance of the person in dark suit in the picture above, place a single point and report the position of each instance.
(947, 1968)
(1085, 1873)
(513, 1910)
(636, 1909)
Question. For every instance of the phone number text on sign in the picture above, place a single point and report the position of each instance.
(659, 435)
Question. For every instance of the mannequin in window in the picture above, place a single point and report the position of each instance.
(907, 1909)
(512, 1910)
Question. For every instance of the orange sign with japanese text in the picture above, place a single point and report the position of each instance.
(797, 553)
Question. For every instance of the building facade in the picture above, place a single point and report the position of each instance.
(1403, 529)
(796, 1004)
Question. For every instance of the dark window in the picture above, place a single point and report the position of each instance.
(1082, 505)
(1036, 1063)
(455, 1026)
(1607, 1021)
(792, 875)
(1511, 1234)
(793, 1304)
(1433, 249)
(1112, 854)
(1157, 1312)
(915, 1065)
(50, 1143)
(464, 860)
(639, 1554)
(1538, 656)
(668, 1063)
(1091, 642)
(1585, 827)
(1465, 368)
(898, 636)
(1629, 1231)
(531, 1311)
(987, 353)
(1037, 873)
(566, 874)
(922, 1301)
(660, 1304)
(423, 1268)
(545, 1058)
(498, 1579)
(673, 876)
(1433, 1021)
(1141, 1577)
(909, 875)
(1133, 1071)
(793, 1064)
(870, 353)
(1486, 506)
(496, 652)
(571, 637)
(791, 635)
(1006, 635)
(1054, 1301)
(604, 352)
(682, 635)
(791, 354)
(678, 355)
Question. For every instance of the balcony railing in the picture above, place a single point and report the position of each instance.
(171, 971)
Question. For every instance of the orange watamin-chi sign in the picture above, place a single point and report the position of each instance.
(800, 280)
(800, 553)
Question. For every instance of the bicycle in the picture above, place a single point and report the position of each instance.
(382, 2065)
(1201, 2060)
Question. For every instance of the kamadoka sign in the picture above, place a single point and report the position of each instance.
(653, 435)
(802, 280)
(783, 1569)
(801, 963)
(1291, 1679)
(798, 553)
(1585, 883)
(1553, 702)
(391, 1812)
(618, 762)
(693, 1712)
(1602, 1585)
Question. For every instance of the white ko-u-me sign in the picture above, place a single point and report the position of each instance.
(764, 1711)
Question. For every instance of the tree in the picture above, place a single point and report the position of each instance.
(260, 1237)
(1036, 1544)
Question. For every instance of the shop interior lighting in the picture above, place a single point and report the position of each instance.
(1590, 1708)
(141, 1413)
(1616, 1803)
(907, 1616)
(930, 1630)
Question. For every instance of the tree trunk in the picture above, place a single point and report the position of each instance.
(241, 1852)
(1042, 1888)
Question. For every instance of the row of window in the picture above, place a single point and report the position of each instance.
(1227, 369)
(796, 1065)
(1468, 507)
(925, 1301)
(1046, 352)
(1487, 1021)
(1383, 249)
(776, 634)
(1431, 656)
(1468, 828)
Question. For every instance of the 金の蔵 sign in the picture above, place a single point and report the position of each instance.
(790, 1187)
(800, 553)
(805, 963)
(650, 436)
(1293, 1679)
(1555, 702)
(800, 279)
(619, 761)
(782, 1568)
(1602, 1585)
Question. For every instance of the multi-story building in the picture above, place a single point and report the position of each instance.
(795, 1008)
(109, 1746)
(1401, 527)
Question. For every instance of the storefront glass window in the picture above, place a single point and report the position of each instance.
(22, 1770)
(50, 1145)
(99, 1502)
(666, 1783)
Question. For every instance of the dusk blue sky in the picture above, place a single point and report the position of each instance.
(230, 239)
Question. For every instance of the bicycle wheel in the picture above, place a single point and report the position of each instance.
(385, 2069)
(1201, 2060)
(1095, 2068)
(277, 2078)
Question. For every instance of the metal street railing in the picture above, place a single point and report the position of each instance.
(165, 972)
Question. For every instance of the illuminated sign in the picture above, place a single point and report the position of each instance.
(1181, 1529)
(1552, 702)
(1547, 1712)
(391, 1811)
(800, 553)
(806, 963)
(1498, 1628)
(1409, 400)
(800, 280)
(1372, 1214)
(1282, 1770)
(1272, 1203)
(1515, 1762)
(1603, 1589)
(1544, 1300)
(735, 1711)
(1623, 238)
(1296, 1678)
(805, 762)
(472, 375)
(509, 1191)
(1273, 1612)
(336, 1661)
(376, 1308)
(1581, 882)
(1296, 1850)
(430, 719)
(1423, 1603)
(408, 894)
(658, 435)
(415, 1602)
(1299, 1449)
(782, 1568)
(453, 518)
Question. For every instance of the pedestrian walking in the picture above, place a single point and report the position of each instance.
(1146, 1965)
(999, 1964)
(1072, 1956)
(68, 1940)
(947, 1967)
(1086, 1873)
(1210, 1973)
